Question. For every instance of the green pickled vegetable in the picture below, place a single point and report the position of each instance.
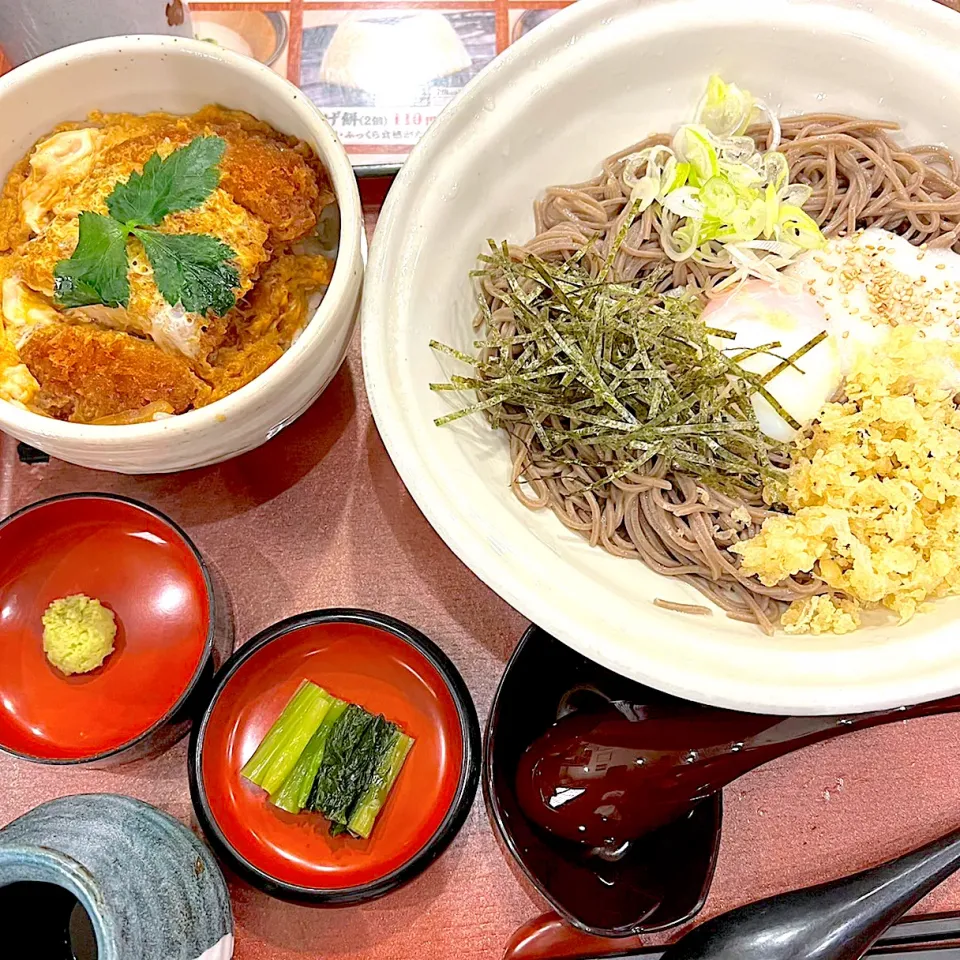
(344, 738)
(357, 773)
(371, 801)
(280, 749)
(295, 790)
(330, 756)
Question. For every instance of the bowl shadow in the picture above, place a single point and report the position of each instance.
(255, 478)
(227, 489)
(479, 611)
(336, 931)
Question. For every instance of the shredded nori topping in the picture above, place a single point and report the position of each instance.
(619, 370)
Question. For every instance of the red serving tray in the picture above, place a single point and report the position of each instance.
(318, 517)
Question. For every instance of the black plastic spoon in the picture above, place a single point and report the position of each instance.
(839, 920)
(608, 794)
(832, 921)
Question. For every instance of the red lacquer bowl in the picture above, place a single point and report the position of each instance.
(385, 666)
(145, 569)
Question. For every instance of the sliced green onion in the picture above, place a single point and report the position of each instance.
(748, 221)
(280, 749)
(771, 115)
(771, 210)
(800, 228)
(680, 175)
(776, 170)
(725, 109)
(685, 202)
(779, 248)
(644, 192)
(693, 145)
(719, 197)
(747, 263)
(721, 190)
(795, 195)
(657, 154)
(687, 234)
(710, 228)
(741, 150)
(741, 176)
(682, 243)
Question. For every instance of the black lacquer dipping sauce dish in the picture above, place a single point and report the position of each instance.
(655, 882)
(608, 793)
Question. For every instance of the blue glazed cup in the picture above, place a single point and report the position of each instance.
(151, 889)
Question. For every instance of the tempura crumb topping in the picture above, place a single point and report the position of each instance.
(821, 614)
(874, 491)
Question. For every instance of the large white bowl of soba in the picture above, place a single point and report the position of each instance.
(694, 411)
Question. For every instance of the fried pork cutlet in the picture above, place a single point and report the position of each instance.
(123, 364)
(270, 175)
(148, 313)
(266, 322)
(277, 177)
(86, 373)
(273, 182)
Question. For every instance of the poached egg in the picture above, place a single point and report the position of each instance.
(857, 289)
(760, 314)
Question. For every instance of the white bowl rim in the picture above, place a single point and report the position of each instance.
(346, 191)
(454, 530)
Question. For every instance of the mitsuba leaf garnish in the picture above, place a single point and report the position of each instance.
(97, 271)
(192, 271)
(181, 181)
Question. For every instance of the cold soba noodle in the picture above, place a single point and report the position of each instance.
(860, 177)
(677, 523)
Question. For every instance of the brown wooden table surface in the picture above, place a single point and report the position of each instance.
(318, 517)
